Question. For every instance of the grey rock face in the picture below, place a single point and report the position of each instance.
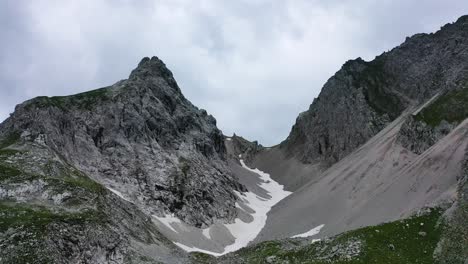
(142, 137)
(453, 246)
(418, 136)
(241, 146)
(52, 213)
(362, 97)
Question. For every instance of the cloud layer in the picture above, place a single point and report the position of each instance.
(253, 64)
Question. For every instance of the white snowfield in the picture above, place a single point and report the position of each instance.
(242, 232)
(246, 232)
(314, 231)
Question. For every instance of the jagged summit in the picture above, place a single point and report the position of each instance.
(150, 74)
(154, 68)
(142, 137)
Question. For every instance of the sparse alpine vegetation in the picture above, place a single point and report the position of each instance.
(451, 107)
(407, 241)
(84, 101)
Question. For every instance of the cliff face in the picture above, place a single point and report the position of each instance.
(363, 97)
(51, 212)
(142, 138)
(435, 120)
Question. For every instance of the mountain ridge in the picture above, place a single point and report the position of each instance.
(124, 173)
(395, 76)
(148, 108)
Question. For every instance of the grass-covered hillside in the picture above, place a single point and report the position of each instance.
(451, 107)
(407, 241)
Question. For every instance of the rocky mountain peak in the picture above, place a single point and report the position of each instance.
(142, 137)
(363, 97)
(154, 68)
(462, 20)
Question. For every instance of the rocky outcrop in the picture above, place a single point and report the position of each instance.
(453, 246)
(50, 212)
(434, 120)
(243, 147)
(418, 136)
(363, 97)
(141, 137)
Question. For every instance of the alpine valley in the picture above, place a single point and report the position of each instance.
(375, 171)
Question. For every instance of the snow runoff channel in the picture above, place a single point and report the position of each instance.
(243, 232)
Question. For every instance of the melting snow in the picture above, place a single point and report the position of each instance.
(194, 249)
(311, 232)
(168, 220)
(118, 194)
(245, 232)
(206, 233)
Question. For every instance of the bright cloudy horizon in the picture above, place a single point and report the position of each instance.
(254, 65)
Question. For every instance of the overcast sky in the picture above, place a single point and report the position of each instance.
(253, 64)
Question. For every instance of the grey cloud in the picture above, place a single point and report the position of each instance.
(254, 65)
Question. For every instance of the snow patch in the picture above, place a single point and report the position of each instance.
(311, 232)
(119, 194)
(243, 232)
(228, 139)
(168, 220)
(194, 249)
(246, 232)
(206, 233)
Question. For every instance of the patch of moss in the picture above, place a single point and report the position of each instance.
(28, 226)
(44, 101)
(59, 177)
(7, 172)
(86, 100)
(409, 246)
(8, 152)
(36, 218)
(85, 183)
(73, 182)
(452, 107)
(202, 258)
(408, 241)
(94, 94)
(259, 253)
(65, 177)
(9, 140)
